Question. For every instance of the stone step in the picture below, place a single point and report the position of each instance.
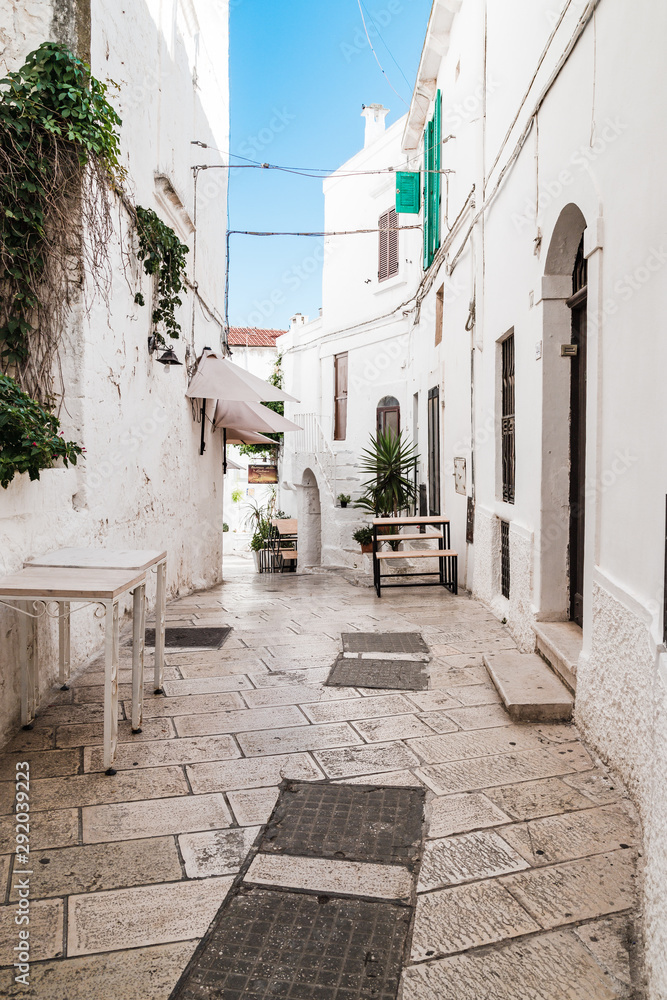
(559, 644)
(530, 691)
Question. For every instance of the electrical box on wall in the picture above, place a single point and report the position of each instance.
(460, 475)
(568, 350)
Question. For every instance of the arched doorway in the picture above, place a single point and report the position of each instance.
(310, 521)
(388, 415)
(563, 421)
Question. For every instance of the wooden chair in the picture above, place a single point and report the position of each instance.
(285, 543)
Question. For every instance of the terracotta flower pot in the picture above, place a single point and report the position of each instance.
(368, 547)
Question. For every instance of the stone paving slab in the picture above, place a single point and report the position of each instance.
(217, 723)
(360, 708)
(383, 642)
(319, 875)
(480, 717)
(161, 707)
(93, 789)
(499, 769)
(133, 918)
(253, 806)
(46, 932)
(284, 678)
(280, 944)
(467, 916)
(398, 727)
(275, 741)
(577, 890)
(573, 835)
(301, 694)
(220, 852)
(598, 788)
(479, 743)
(39, 738)
(93, 867)
(608, 940)
(154, 817)
(546, 967)
(397, 779)
(451, 814)
(470, 856)
(206, 685)
(532, 799)
(439, 722)
(164, 752)
(232, 775)
(59, 828)
(92, 734)
(351, 822)
(365, 760)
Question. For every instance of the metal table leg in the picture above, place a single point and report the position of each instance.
(110, 685)
(160, 621)
(28, 662)
(64, 658)
(138, 644)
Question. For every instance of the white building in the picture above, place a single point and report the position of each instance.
(548, 265)
(255, 350)
(144, 483)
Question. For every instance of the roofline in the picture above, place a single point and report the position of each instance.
(436, 46)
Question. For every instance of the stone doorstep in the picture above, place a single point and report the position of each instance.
(530, 691)
(559, 644)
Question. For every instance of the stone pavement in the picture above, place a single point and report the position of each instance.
(527, 886)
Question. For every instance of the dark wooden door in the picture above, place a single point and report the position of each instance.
(578, 457)
(434, 450)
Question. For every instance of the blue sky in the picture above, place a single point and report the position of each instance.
(300, 71)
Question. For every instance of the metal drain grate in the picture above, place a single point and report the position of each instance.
(349, 822)
(266, 943)
(383, 642)
(191, 638)
(404, 675)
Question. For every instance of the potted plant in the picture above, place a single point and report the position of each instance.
(344, 499)
(390, 462)
(365, 538)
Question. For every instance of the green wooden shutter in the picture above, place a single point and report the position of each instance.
(407, 191)
(432, 161)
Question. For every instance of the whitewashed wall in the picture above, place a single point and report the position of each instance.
(143, 483)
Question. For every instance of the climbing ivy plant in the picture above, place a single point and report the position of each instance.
(163, 255)
(30, 436)
(59, 149)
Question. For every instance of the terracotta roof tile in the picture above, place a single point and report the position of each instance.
(250, 336)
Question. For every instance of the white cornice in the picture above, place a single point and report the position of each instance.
(435, 49)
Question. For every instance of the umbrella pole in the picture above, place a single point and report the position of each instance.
(224, 451)
(202, 446)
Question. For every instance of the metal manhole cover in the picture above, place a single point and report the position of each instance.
(383, 642)
(403, 675)
(191, 638)
(348, 822)
(264, 944)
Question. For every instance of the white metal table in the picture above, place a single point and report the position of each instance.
(129, 559)
(32, 590)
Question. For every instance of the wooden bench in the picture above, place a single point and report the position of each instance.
(447, 571)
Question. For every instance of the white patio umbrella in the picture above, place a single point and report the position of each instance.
(235, 436)
(260, 418)
(231, 464)
(217, 378)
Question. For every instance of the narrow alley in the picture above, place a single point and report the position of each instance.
(530, 853)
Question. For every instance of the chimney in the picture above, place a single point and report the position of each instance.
(297, 321)
(375, 115)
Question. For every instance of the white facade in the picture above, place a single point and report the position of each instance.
(550, 126)
(143, 483)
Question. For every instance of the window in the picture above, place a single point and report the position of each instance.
(389, 415)
(439, 312)
(434, 450)
(508, 440)
(432, 150)
(505, 558)
(340, 396)
(388, 245)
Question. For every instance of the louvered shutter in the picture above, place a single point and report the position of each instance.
(383, 247)
(392, 243)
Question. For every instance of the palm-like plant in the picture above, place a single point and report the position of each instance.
(390, 462)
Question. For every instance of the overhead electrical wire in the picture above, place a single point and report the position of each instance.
(391, 55)
(363, 19)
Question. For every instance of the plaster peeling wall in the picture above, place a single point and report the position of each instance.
(143, 483)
